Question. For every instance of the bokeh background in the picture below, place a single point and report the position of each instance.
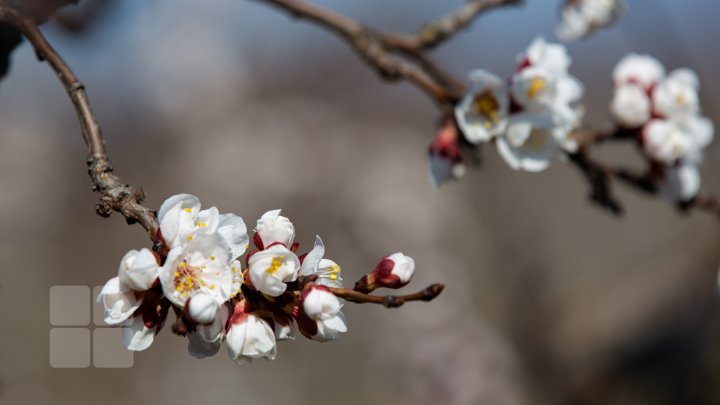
(549, 299)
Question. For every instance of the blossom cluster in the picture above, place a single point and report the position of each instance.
(664, 111)
(199, 274)
(530, 117)
(580, 18)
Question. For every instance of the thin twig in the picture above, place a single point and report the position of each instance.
(389, 301)
(442, 29)
(378, 50)
(114, 195)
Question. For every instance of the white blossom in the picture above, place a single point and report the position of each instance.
(237, 277)
(181, 220)
(250, 337)
(202, 308)
(531, 142)
(630, 106)
(676, 97)
(271, 268)
(138, 269)
(136, 335)
(274, 228)
(641, 70)
(681, 183)
(319, 303)
(327, 271)
(579, 18)
(482, 112)
(403, 267)
(546, 55)
(119, 300)
(330, 329)
(206, 339)
(200, 266)
(667, 141)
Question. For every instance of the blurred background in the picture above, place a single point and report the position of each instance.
(549, 300)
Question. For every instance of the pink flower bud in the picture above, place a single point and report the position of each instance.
(393, 271)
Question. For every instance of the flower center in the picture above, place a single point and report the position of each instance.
(680, 99)
(536, 140)
(537, 85)
(274, 265)
(487, 105)
(334, 271)
(186, 278)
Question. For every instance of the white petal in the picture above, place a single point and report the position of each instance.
(480, 126)
(320, 304)
(630, 106)
(119, 301)
(138, 269)
(312, 259)
(206, 260)
(177, 218)
(404, 267)
(534, 156)
(232, 228)
(682, 183)
(331, 329)
(252, 338)
(271, 268)
(202, 308)
(136, 336)
(274, 228)
(643, 70)
(550, 56)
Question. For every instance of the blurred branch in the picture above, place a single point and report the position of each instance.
(599, 175)
(388, 301)
(443, 28)
(114, 195)
(380, 49)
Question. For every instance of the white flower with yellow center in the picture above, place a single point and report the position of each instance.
(271, 268)
(676, 97)
(483, 111)
(181, 220)
(200, 266)
(327, 271)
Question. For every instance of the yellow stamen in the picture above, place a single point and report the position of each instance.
(188, 210)
(275, 265)
(486, 104)
(537, 85)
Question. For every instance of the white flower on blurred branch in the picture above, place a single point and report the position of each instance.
(665, 112)
(543, 100)
(580, 18)
(197, 273)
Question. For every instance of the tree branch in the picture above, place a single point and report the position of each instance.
(444, 28)
(389, 301)
(114, 195)
(380, 50)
